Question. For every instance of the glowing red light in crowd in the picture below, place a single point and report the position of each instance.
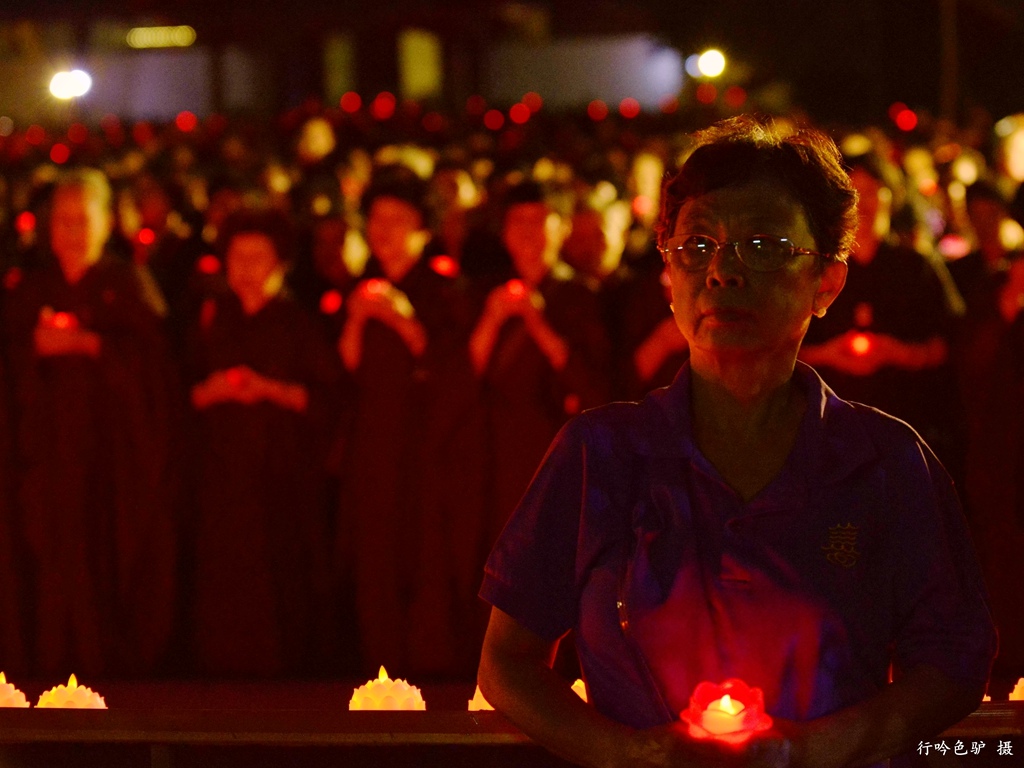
(77, 133)
(953, 246)
(895, 109)
(860, 344)
(383, 107)
(25, 222)
(928, 187)
(735, 97)
(146, 236)
(186, 121)
(236, 378)
(906, 120)
(445, 265)
(63, 320)
(142, 133)
(351, 102)
(629, 108)
(642, 205)
(476, 105)
(519, 114)
(208, 264)
(493, 119)
(533, 101)
(706, 93)
(571, 404)
(35, 135)
(376, 285)
(597, 110)
(433, 121)
(669, 105)
(60, 154)
(516, 288)
(12, 278)
(330, 302)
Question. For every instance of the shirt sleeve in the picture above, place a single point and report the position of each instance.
(531, 572)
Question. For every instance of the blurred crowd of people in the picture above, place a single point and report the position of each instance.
(271, 389)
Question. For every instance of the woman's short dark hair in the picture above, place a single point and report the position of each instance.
(272, 223)
(744, 148)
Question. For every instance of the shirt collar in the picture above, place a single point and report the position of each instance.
(833, 441)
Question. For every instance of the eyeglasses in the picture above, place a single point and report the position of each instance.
(761, 253)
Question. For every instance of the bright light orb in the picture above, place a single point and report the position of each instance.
(70, 85)
(711, 63)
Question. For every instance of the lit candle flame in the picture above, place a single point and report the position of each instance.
(72, 681)
(726, 704)
(383, 674)
(3, 678)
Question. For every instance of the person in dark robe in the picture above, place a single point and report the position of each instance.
(94, 408)
(265, 381)
(990, 364)
(539, 347)
(885, 341)
(646, 346)
(413, 493)
(12, 641)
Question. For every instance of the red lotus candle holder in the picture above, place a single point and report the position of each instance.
(731, 712)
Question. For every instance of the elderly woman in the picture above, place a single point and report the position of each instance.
(743, 522)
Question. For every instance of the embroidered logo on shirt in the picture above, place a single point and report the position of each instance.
(842, 545)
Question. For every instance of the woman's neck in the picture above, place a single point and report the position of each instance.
(746, 423)
(741, 397)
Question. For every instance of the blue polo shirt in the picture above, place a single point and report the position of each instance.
(855, 556)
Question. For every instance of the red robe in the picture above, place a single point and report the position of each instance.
(94, 485)
(261, 570)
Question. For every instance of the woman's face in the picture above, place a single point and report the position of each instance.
(727, 308)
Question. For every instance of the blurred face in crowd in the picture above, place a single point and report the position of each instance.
(586, 244)
(533, 235)
(873, 202)
(987, 217)
(395, 232)
(80, 224)
(254, 271)
(597, 240)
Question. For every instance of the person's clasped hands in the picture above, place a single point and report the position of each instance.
(60, 333)
(380, 300)
(671, 746)
(513, 299)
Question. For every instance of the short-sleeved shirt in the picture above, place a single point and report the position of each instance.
(854, 557)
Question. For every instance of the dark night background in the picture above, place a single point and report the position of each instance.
(846, 59)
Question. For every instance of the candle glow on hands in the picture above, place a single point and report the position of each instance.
(731, 712)
(860, 344)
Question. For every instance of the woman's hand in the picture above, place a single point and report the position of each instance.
(671, 746)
